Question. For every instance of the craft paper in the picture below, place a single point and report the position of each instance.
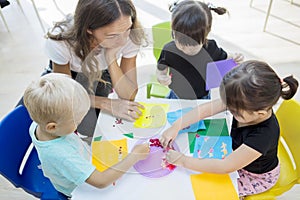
(153, 116)
(212, 146)
(108, 153)
(98, 138)
(130, 135)
(158, 90)
(173, 116)
(215, 72)
(213, 187)
(214, 127)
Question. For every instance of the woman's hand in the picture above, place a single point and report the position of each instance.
(175, 157)
(111, 55)
(124, 109)
(168, 136)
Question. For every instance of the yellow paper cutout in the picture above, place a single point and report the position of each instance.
(153, 116)
(213, 187)
(108, 153)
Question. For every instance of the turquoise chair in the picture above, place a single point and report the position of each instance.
(288, 117)
(15, 148)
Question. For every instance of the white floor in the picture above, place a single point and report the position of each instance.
(22, 57)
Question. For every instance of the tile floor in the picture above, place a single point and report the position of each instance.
(23, 59)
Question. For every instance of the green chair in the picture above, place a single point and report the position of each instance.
(161, 34)
(288, 118)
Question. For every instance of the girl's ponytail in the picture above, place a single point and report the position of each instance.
(289, 87)
(218, 10)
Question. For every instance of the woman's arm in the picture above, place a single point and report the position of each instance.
(241, 157)
(120, 108)
(124, 78)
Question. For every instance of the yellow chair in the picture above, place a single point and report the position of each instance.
(288, 118)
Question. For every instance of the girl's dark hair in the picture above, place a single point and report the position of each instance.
(253, 86)
(192, 20)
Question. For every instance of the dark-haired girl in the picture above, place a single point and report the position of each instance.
(249, 92)
(182, 63)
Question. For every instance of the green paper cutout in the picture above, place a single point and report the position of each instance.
(214, 127)
(98, 138)
(160, 91)
(192, 139)
(130, 135)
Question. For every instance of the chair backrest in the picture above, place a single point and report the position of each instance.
(288, 117)
(161, 34)
(17, 152)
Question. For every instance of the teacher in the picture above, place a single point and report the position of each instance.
(98, 47)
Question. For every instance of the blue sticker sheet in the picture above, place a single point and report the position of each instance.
(212, 146)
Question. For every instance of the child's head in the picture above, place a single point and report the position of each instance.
(57, 103)
(191, 23)
(254, 86)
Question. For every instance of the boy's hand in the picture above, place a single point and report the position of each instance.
(141, 151)
(175, 157)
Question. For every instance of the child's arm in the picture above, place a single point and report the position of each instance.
(110, 175)
(241, 157)
(200, 112)
(163, 77)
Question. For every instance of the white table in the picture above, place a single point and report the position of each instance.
(132, 185)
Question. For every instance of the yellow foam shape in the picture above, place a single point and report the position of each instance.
(153, 116)
(108, 153)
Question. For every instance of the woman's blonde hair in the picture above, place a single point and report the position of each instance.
(55, 97)
(91, 15)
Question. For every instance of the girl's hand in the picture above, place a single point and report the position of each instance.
(163, 77)
(141, 151)
(124, 109)
(237, 57)
(168, 136)
(175, 157)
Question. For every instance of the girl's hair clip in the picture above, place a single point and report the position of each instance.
(211, 6)
(173, 5)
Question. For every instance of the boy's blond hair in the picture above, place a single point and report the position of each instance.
(54, 97)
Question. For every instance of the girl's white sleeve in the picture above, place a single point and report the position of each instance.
(58, 51)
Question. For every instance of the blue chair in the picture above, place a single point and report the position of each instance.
(19, 160)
